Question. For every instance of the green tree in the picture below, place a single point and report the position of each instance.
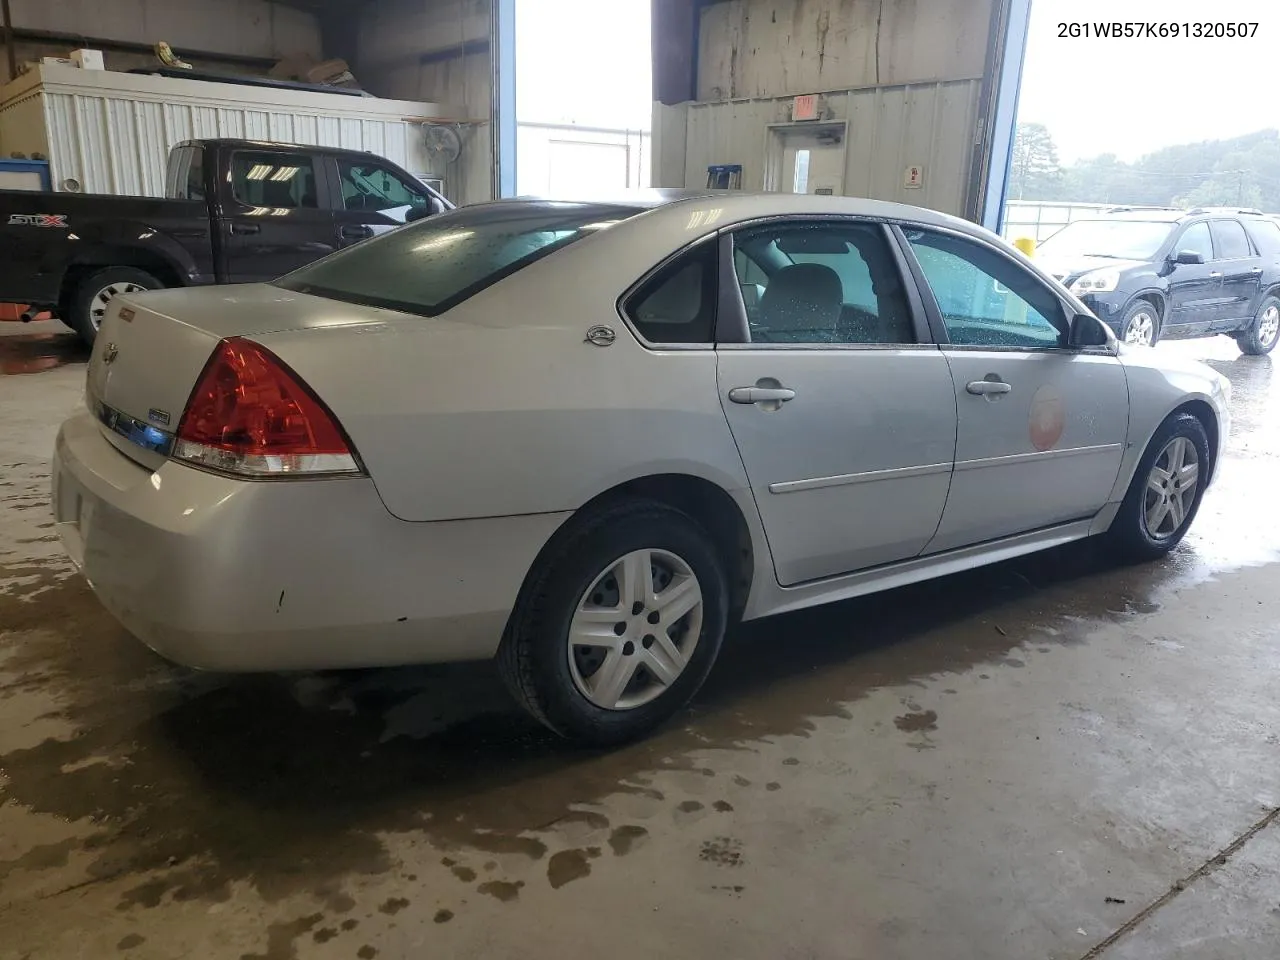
(1035, 173)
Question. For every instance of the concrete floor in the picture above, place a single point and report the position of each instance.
(1050, 758)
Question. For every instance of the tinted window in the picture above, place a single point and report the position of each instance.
(432, 265)
(1196, 239)
(372, 187)
(987, 299)
(1229, 238)
(678, 304)
(1265, 234)
(821, 283)
(273, 180)
(195, 176)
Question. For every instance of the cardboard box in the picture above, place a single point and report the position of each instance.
(88, 59)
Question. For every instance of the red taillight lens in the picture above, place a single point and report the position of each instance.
(250, 414)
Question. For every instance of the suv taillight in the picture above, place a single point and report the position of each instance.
(251, 415)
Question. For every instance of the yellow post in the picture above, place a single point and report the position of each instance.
(1015, 308)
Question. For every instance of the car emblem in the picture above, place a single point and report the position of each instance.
(109, 354)
(601, 336)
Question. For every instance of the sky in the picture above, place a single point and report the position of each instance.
(584, 62)
(1131, 97)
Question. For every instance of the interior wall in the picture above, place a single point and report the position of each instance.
(907, 75)
(437, 51)
(237, 28)
(770, 48)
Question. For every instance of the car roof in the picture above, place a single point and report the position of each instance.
(706, 208)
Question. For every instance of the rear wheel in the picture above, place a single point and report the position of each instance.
(1165, 492)
(620, 626)
(95, 292)
(1141, 324)
(1262, 336)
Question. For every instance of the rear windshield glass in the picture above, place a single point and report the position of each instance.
(435, 264)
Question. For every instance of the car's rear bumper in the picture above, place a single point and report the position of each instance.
(234, 575)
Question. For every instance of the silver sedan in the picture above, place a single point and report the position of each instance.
(585, 438)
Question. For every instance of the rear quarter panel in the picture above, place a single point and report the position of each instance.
(501, 407)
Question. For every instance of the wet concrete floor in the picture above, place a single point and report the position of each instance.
(1049, 758)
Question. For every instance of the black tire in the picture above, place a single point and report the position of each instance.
(1141, 308)
(85, 298)
(1129, 534)
(534, 658)
(1261, 337)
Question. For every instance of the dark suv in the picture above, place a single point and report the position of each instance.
(1171, 274)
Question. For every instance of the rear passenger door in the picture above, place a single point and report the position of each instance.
(276, 217)
(1241, 271)
(841, 407)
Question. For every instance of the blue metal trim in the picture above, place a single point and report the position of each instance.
(502, 28)
(1004, 107)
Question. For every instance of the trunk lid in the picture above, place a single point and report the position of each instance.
(153, 347)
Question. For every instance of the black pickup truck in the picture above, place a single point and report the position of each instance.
(234, 211)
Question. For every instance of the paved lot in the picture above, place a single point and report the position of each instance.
(1051, 758)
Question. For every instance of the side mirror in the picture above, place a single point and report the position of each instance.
(1087, 330)
(1188, 257)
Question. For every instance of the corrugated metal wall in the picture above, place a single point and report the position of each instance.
(889, 128)
(118, 145)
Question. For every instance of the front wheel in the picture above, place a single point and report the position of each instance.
(620, 626)
(1262, 336)
(1165, 492)
(95, 292)
(1141, 324)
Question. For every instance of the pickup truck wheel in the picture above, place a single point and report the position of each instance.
(97, 290)
(1264, 333)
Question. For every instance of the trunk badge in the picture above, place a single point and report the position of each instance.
(601, 335)
(158, 415)
(109, 355)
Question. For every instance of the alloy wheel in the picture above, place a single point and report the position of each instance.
(1171, 488)
(635, 629)
(1269, 327)
(1141, 329)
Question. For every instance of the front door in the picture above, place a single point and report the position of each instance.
(277, 218)
(1241, 269)
(1195, 289)
(373, 197)
(842, 411)
(1041, 428)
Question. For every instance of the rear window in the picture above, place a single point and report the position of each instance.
(433, 265)
(1265, 234)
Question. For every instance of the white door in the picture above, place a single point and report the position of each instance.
(1041, 427)
(844, 420)
(811, 164)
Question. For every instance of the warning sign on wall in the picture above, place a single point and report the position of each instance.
(913, 177)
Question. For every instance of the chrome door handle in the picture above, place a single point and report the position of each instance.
(989, 388)
(1215, 275)
(761, 394)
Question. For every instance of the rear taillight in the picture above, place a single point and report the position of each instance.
(250, 415)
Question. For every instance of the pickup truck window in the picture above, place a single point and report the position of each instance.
(371, 187)
(432, 265)
(273, 180)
